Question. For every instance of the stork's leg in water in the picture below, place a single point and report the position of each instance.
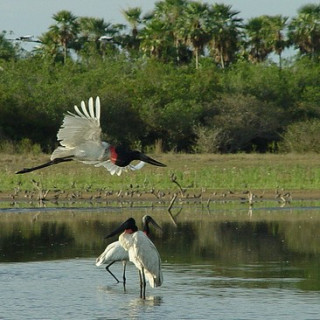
(107, 268)
(124, 275)
(142, 284)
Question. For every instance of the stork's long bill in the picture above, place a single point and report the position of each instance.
(146, 220)
(149, 160)
(129, 224)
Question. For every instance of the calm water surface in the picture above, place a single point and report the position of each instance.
(224, 264)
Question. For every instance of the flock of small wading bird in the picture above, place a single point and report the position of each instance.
(80, 140)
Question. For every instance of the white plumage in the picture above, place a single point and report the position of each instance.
(114, 252)
(145, 256)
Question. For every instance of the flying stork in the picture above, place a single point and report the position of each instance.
(80, 140)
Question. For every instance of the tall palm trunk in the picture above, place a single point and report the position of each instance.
(197, 57)
(64, 52)
(221, 57)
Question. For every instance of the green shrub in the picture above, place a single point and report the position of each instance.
(25, 146)
(302, 137)
(208, 139)
(243, 123)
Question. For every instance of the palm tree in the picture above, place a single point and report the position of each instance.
(164, 20)
(304, 30)
(170, 10)
(95, 33)
(193, 28)
(91, 29)
(256, 39)
(225, 29)
(277, 25)
(50, 47)
(65, 30)
(266, 34)
(156, 40)
(133, 17)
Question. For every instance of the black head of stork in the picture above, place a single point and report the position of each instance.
(129, 224)
(145, 221)
(122, 157)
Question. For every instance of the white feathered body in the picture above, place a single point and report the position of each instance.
(143, 253)
(113, 252)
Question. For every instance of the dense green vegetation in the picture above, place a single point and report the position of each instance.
(189, 77)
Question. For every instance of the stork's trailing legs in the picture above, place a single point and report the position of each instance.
(47, 164)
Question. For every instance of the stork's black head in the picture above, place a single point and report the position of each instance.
(128, 224)
(123, 157)
(145, 221)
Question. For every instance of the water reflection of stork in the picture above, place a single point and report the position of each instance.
(142, 252)
(114, 252)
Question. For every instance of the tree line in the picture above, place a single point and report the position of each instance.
(187, 77)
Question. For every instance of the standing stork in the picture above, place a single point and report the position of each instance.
(115, 252)
(142, 252)
(80, 140)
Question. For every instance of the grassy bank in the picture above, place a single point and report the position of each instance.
(195, 173)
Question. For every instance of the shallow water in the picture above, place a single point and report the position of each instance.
(227, 264)
(75, 289)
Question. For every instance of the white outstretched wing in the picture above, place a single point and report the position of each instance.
(114, 169)
(81, 127)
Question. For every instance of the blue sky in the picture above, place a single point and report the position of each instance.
(33, 17)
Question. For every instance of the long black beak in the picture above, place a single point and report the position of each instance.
(129, 224)
(149, 160)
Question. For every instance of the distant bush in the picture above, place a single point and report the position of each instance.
(302, 137)
(242, 123)
(208, 139)
(25, 146)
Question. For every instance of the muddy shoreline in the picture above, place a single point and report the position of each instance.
(249, 196)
